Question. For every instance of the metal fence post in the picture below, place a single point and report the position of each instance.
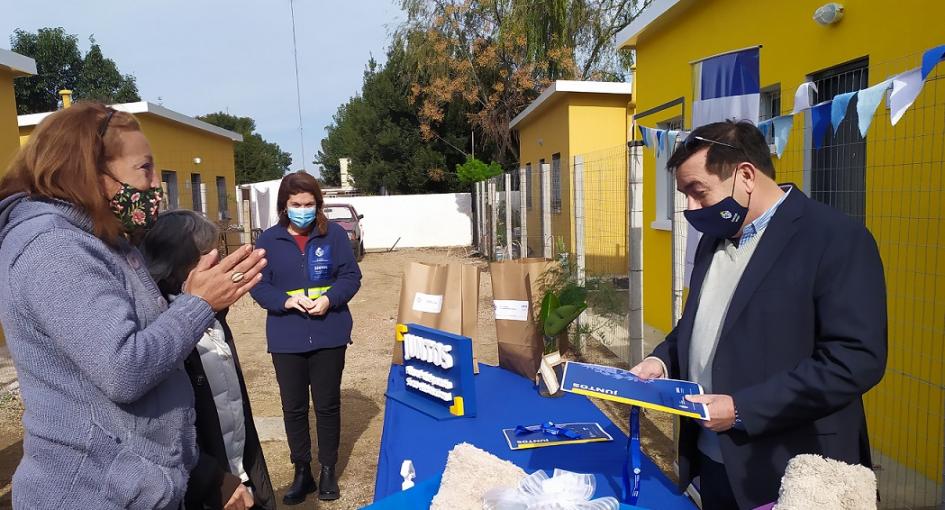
(523, 185)
(546, 233)
(493, 217)
(635, 243)
(480, 214)
(508, 215)
(579, 218)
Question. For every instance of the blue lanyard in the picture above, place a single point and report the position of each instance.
(633, 465)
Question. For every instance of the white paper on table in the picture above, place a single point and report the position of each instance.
(429, 303)
(511, 310)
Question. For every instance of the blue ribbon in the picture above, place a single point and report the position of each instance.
(634, 466)
(547, 428)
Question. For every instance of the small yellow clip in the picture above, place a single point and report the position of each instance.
(399, 331)
(457, 408)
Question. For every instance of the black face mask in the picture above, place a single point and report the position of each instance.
(722, 220)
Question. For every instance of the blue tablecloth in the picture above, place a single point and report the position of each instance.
(506, 400)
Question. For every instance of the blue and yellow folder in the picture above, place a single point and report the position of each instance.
(521, 438)
(610, 383)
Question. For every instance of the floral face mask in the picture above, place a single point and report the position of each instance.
(135, 208)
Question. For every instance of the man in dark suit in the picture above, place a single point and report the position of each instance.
(785, 325)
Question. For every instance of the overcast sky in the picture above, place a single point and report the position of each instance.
(202, 56)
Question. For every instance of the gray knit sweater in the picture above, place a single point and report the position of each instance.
(109, 419)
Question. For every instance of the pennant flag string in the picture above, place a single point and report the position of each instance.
(903, 89)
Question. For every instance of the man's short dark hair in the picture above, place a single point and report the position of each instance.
(734, 142)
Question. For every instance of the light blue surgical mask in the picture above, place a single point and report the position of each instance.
(301, 217)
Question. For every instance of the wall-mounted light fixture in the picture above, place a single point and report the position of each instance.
(197, 160)
(828, 14)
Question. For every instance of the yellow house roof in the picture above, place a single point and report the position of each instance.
(19, 65)
(146, 107)
(651, 17)
(561, 87)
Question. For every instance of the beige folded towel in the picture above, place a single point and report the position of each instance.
(470, 473)
(812, 482)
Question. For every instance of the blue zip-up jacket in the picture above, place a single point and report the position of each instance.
(328, 262)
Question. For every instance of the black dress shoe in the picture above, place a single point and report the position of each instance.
(302, 485)
(329, 484)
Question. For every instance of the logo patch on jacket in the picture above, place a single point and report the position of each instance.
(319, 262)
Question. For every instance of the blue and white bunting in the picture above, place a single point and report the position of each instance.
(645, 136)
(866, 102)
(819, 120)
(838, 110)
(669, 139)
(931, 58)
(782, 129)
(765, 127)
(803, 95)
(905, 88)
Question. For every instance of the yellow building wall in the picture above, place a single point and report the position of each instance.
(598, 133)
(593, 125)
(903, 166)
(175, 146)
(9, 141)
(9, 134)
(540, 136)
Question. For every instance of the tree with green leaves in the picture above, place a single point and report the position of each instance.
(255, 158)
(379, 130)
(61, 65)
(100, 80)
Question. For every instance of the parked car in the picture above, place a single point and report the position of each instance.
(349, 219)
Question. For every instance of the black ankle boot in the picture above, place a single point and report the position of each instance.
(329, 484)
(302, 485)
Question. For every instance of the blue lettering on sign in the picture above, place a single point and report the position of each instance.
(319, 262)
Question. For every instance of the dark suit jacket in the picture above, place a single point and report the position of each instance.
(803, 339)
(204, 487)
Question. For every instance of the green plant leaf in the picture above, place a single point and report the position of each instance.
(573, 294)
(559, 318)
(548, 303)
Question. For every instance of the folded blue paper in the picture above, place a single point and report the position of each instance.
(537, 436)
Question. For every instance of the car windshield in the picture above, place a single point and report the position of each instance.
(338, 213)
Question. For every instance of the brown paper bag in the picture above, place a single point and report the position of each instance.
(441, 296)
(542, 274)
(517, 291)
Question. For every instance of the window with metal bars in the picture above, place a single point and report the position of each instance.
(838, 167)
(529, 184)
(556, 183)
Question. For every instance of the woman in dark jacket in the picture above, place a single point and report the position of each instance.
(306, 286)
(231, 471)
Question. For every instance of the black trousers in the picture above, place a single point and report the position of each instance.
(714, 487)
(317, 373)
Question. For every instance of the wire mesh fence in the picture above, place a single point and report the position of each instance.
(602, 216)
(892, 180)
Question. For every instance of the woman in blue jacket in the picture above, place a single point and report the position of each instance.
(306, 286)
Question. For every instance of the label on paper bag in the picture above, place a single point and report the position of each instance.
(429, 303)
(511, 310)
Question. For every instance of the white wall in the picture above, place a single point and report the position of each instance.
(420, 221)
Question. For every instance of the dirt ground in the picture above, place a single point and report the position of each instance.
(374, 309)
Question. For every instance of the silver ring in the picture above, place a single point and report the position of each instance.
(236, 277)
